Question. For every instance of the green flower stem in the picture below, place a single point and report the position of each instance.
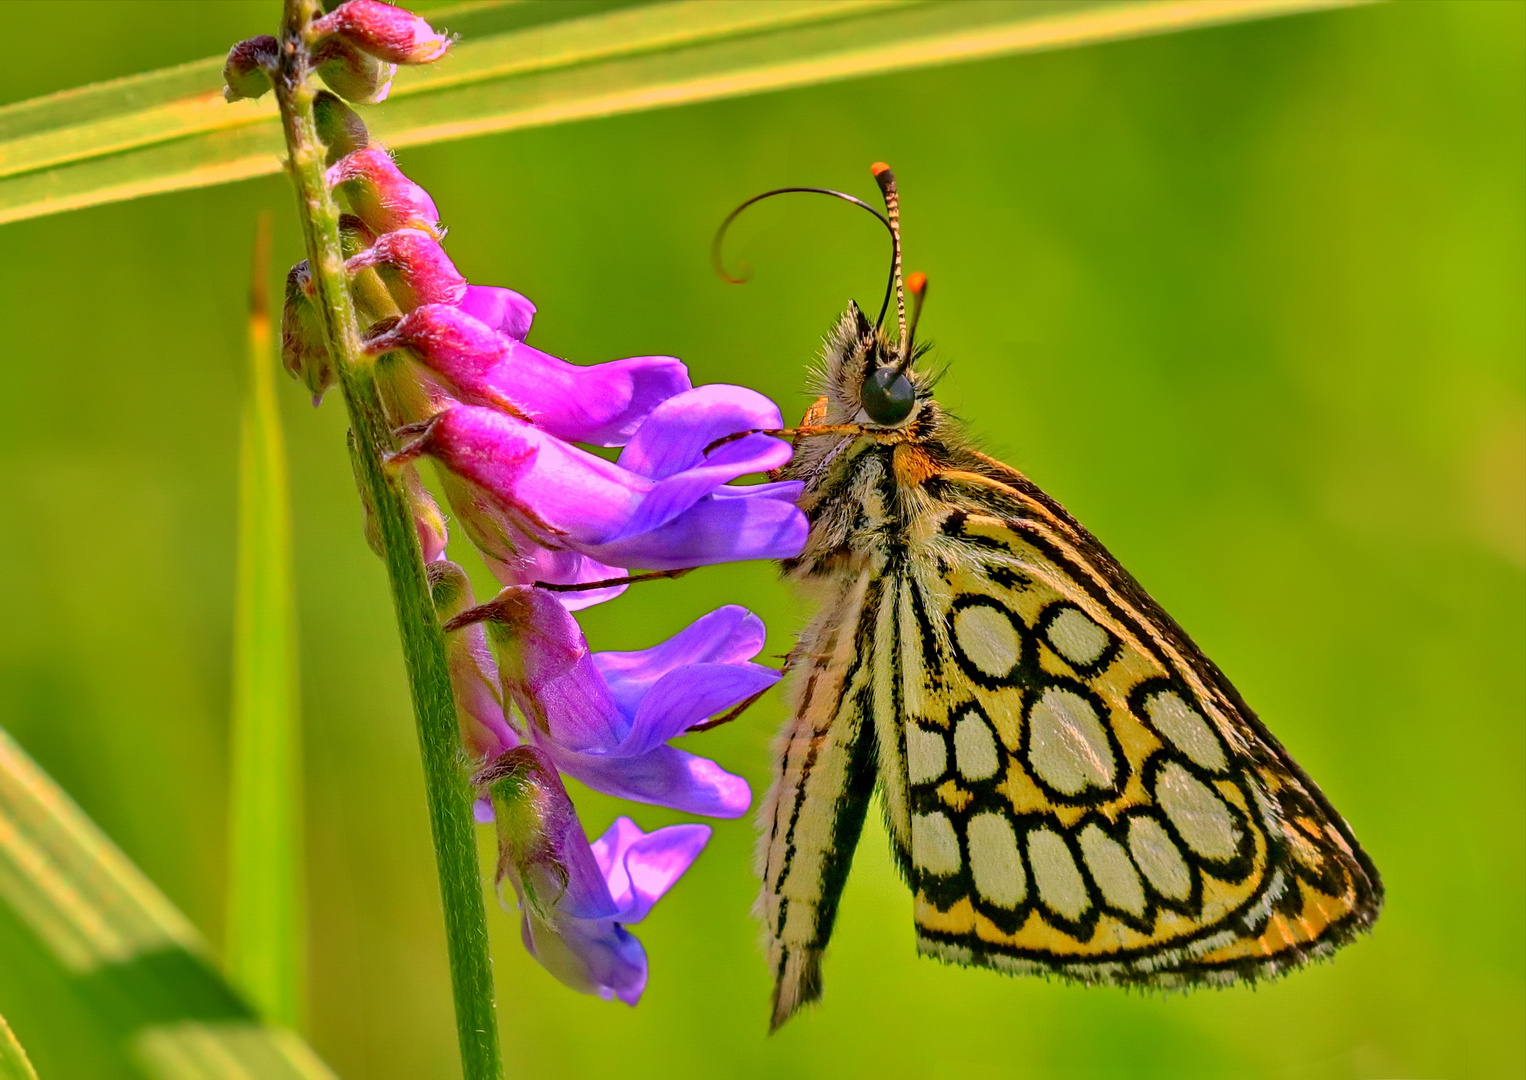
(449, 792)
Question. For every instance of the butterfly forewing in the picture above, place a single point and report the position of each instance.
(1070, 786)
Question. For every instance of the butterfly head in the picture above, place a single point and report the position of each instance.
(869, 375)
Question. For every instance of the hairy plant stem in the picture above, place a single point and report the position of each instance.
(448, 789)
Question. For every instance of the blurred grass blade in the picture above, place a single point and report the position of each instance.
(14, 1064)
(536, 62)
(265, 914)
(135, 962)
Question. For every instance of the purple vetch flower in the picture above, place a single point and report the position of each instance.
(576, 898)
(665, 505)
(603, 404)
(606, 718)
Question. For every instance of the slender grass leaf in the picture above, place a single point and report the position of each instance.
(14, 1064)
(129, 955)
(265, 913)
(542, 62)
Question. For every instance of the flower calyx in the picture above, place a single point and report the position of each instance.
(246, 74)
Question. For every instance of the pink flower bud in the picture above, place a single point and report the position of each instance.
(304, 351)
(385, 32)
(247, 72)
(380, 195)
(354, 75)
(342, 131)
(415, 268)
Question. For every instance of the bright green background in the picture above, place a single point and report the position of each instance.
(1247, 300)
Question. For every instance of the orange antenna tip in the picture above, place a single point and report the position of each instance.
(916, 283)
(879, 167)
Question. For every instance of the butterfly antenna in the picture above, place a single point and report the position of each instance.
(886, 180)
(916, 284)
(717, 261)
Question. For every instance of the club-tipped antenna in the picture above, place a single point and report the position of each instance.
(916, 284)
(886, 180)
(746, 272)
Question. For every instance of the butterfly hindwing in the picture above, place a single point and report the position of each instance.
(1081, 796)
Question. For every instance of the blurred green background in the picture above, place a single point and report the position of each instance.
(1248, 300)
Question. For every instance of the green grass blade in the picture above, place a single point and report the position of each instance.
(14, 1064)
(543, 62)
(138, 966)
(265, 913)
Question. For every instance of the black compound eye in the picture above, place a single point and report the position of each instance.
(888, 396)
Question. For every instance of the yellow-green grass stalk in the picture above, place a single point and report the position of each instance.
(14, 1064)
(520, 65)
(148, 992)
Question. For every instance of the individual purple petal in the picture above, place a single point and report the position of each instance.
(727, 635)
(671, 497)
(664, 777)
(595, 957)
(602, 404)
(640, 867)
(729, 525)
(691, 696)
(503, 310)
(678, 431)
(586, 895)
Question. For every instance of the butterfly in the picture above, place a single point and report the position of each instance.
(1070, 786)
